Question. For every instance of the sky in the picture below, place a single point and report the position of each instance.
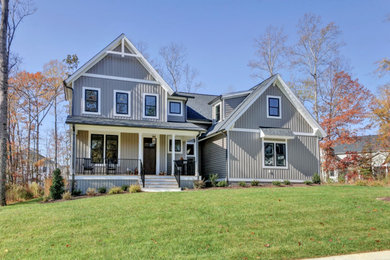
(218, 35)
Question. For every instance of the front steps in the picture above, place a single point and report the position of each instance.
(156, 183)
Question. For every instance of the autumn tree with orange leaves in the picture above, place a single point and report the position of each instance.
(343, 113)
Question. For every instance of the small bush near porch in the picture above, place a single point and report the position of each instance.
(269, 223)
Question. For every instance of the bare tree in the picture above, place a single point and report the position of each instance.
(190, 75)
(317, 47)
(270, 49)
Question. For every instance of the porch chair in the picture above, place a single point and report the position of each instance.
(88, 165)
(111, 166)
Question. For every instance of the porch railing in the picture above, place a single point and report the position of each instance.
(184, 167)
(86, 166)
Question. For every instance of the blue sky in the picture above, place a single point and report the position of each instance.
(217, 34)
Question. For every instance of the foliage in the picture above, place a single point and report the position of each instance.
(57, 188)
(76, 192)
(36, 190)
(115, 190)
(361, 183)
(213, 179)
(67, 195)
(276, 183)
(242, 183)
(199, 184)
(134, 188)
(316, 178)
(222, 184)
(341, 177)
(45, 198)
(125, 187)
(91, 192)
(254, 183)
(102, 190)
(286, 182)
(308, 182)
(16, 192)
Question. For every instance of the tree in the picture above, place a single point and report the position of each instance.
(318, 46)
(270, 49)
(72, 63)
(57, 188)
(343, 110)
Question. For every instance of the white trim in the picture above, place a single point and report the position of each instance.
(248, 130)
(140, 152)
(99, 101)
(92, 75)
(199, 122)
(214, 112)
(280, 107)
(262, 180)
(157, 154)
(196, 153)
(229, 96)
(173, 155)
(181, 107)
(105, 177)
(263, 153)
(144, 103)
(188, 178)
(228, 153)
(128, 103)
(186, 148)
(262, 135)
(181, 145)
(304, 134)
(123, 54)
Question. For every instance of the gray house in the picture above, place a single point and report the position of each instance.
(129, 126)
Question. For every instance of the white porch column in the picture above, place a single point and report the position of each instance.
(140, 152)
(173, 154)
(157, 154)
(196, 157)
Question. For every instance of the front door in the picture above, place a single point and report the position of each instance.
(149, 156)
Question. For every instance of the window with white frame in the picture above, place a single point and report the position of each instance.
(175, 108)
(101, 150)
(91, 100)
(273, 107)
(177, 146)
(275, 154)
(121, 103)
(190, 149)
(151, 105)
(217, 112)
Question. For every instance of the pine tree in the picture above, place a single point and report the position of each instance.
(57, 188)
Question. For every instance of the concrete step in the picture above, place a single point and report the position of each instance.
(160, 180)
(160, 189)
(161, 186)
(159, 176)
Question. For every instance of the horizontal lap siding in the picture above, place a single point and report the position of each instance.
(213, 154)
(247, 163)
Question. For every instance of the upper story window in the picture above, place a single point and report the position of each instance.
(273, 107)
(175, 108)
(91, 100)
(121, 103)
(275, 154)
(150, 105)
(217, 112)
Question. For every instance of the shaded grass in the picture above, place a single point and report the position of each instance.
(215, 224)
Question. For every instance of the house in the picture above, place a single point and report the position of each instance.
(370, 151)
(129, 126)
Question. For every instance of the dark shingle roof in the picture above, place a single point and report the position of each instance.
(367, 143)
(85, 120)
(198, 107)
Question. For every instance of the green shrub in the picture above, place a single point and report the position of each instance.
(67, 196)
(36, 190)
(213, 179)
(115, 190)
(102, 190)
(199, 184)
(287, 182)
(135, 188)
(242, 183)
(222, 183)
(57, 188)
(276, 183)
(76, 192)
(308, 182)
(254, 183)
(125, 187)
(316, 178)
(91, 192)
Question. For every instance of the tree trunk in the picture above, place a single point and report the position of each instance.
(3, 99)
(55, 132)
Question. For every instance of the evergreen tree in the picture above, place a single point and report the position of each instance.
(57, 188)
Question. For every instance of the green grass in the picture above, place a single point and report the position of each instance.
(214, 224)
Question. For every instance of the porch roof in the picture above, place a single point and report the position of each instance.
(87, 120)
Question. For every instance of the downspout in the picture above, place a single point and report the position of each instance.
(228, 155)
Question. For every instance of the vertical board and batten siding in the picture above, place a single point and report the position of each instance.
(107, 87)
(231, 104)
(82, 148)
(246, 158)
(256, 114)
(129, 146)
(163, 153)
(213, 156)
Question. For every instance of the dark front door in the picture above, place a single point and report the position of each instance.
(149, 156)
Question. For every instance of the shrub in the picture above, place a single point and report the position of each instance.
(76, 192)
(316, 178)
(91, 192)
(287, 182)
(36, 190)
(213, 179)
(135, 188)
(242, 183)
(102, 190)
(125, 187)
(276, 183)
(254, 183)
(308, 182)
(15, 192)
(199, 184)
(361, 183)
(222, 183)
(67, 196)
(376, 184)
(57, 188)
(45, 198)
(115, 190)
(341, 177)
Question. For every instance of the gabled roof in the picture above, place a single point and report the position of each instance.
(125, 42)
(257, 91)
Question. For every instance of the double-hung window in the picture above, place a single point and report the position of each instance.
(151, 105)
(121, 103)
(91, 100)
(273, 107)
(275, 154)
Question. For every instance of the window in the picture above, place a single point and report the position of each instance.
(122, 103)
(175, 108)
(273, 107)
(275, 154)
(97, 145)
(177, 146)
(218, 112)
(150, 105)
(112, 148)
(190, 149)
(101, 150)
(91, 98)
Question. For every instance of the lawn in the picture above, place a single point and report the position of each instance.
(265, 223)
